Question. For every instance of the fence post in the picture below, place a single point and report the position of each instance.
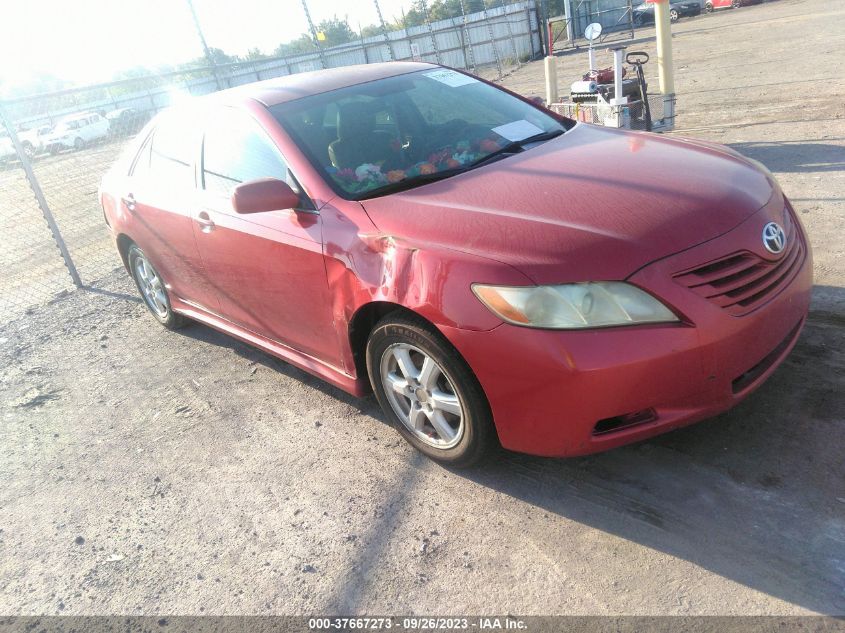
(510, 33)
(390, 52)
(205, 48)
(39, 197)
(492, 41)
(531, 33)
(314, 35)
(424, 6)
(468, 42)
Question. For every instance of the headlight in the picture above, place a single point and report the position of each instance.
(574, 306)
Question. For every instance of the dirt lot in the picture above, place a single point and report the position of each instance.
(146, 471)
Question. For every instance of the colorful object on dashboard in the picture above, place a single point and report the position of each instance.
(370, 175)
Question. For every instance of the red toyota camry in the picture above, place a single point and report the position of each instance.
(493, 272)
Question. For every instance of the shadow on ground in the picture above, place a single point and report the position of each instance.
(795, 156)
(756, 495)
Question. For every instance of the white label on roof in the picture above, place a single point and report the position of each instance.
(450, 77)
(517, 130)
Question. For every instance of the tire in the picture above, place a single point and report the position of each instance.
(673, 15)
(708, 8)
(28, 149)
(78, 144)
(420, 411)
(152, 288)
(736, 4)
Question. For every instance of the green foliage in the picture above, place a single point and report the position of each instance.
(337, 32)
(371, 30)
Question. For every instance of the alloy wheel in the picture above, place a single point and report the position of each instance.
(151, 287)
(422, 395)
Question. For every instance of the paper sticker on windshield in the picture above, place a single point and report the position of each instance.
(517, 130)
(450, 77)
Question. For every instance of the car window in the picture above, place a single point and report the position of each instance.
(372, 136)
(235, 150)
(173, 149)
(141, 166)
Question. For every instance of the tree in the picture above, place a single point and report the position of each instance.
(337, 31)
(219, 57)
(444, 9)
(371, 30)
(253, 54)
(303, 44)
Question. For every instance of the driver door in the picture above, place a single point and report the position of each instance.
(267, 268)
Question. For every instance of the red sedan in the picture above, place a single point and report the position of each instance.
(493, 272)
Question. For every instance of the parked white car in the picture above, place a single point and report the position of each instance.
(33, 140)
(76, 132)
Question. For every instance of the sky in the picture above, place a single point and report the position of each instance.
(87, 41)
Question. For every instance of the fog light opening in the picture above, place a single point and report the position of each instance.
(611, 425)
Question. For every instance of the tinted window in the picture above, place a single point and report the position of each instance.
(174, 145)
(236, 150)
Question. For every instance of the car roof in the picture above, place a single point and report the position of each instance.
(290, 87)
(75, 117)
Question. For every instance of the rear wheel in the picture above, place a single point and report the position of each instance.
(152, 288)
(78, 143)
(429, 393)
(708, 7)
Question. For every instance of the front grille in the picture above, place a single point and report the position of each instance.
(741, 282)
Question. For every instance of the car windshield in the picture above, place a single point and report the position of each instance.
(399, 132)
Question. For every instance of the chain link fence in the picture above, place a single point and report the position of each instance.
(615, 16)
(33, 270)
(56, 147)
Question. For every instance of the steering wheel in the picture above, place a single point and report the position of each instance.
(636, 57)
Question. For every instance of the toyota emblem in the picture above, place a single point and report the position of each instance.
(774, 238)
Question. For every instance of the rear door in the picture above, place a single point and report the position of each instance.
(267, 268)
(161, 193)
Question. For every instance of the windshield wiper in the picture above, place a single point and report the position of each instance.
(515, 146)
(410, 183)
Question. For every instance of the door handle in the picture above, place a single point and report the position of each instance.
(205, 222)
(128, 201)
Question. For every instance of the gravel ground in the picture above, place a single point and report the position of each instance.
(152, 472)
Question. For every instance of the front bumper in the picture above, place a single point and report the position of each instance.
(548, 390)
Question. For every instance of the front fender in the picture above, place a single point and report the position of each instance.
(364, 265)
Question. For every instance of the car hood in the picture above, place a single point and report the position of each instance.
(593, 204)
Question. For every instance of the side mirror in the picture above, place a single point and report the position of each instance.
(264, 194)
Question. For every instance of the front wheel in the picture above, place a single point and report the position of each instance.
(152, 288)
(673, 15)
(429, 393)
